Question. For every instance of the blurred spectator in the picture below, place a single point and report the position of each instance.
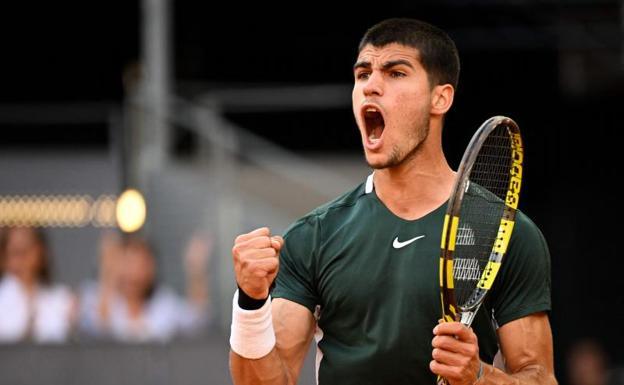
(588, 364)
(2, 235)
(32, 308)
(128, 304)
(96, 296)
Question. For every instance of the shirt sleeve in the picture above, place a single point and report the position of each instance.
(523, 285)
(296, 279)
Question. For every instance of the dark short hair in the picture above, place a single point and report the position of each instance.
(438, 54)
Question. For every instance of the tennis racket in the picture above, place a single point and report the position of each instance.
(480, 218)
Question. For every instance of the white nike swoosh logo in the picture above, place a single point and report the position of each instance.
(397, 244)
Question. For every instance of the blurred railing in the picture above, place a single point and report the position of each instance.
(103, 363)
(203, 361)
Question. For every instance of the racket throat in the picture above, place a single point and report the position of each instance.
(468, 316)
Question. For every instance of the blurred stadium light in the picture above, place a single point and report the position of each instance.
(57, 211)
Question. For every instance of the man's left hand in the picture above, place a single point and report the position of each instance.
(455, 353)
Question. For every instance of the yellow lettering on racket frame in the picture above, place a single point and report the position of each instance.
(489, 274)
(517, 156)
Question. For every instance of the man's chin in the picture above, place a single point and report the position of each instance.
(376, 163)
(377, 166)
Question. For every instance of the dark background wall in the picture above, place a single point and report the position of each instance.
(557, 68)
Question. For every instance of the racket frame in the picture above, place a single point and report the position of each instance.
(466, 313)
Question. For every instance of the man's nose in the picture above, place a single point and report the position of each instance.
(374, 85)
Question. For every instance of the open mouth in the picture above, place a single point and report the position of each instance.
(374, 123)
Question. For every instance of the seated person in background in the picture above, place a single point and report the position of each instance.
(31, 308)
(96, 296)
(129, 305)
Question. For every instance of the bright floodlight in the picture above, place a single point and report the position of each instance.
(131, 210)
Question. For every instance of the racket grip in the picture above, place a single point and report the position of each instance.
(441, 381)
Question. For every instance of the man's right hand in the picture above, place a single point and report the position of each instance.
(256, 261)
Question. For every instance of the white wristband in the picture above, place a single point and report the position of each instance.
(252, 334)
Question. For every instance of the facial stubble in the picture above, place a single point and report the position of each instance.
(397, 155)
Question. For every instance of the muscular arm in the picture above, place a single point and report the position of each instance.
(294, 328)
(526, 345)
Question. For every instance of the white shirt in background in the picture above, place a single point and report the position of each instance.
(165, 316)
(50, 309)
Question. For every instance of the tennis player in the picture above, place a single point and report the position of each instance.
(360, 274)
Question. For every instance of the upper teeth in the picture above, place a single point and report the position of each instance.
(371, 109)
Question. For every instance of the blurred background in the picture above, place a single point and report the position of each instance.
(227, 120)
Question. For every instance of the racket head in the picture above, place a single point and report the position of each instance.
(480, 216)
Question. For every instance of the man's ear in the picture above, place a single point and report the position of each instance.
(442, 99)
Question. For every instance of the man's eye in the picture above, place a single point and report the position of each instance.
(362, 75)
(397, 74)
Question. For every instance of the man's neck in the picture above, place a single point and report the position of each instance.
(418, 186)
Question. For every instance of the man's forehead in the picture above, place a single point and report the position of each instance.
(388, 52)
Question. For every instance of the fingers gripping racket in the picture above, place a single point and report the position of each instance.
(480, 218)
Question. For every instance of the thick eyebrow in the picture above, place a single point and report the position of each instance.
(362, 64)
(386, 66)
(392, 63)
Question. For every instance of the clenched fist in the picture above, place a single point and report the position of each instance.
(256, 261)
